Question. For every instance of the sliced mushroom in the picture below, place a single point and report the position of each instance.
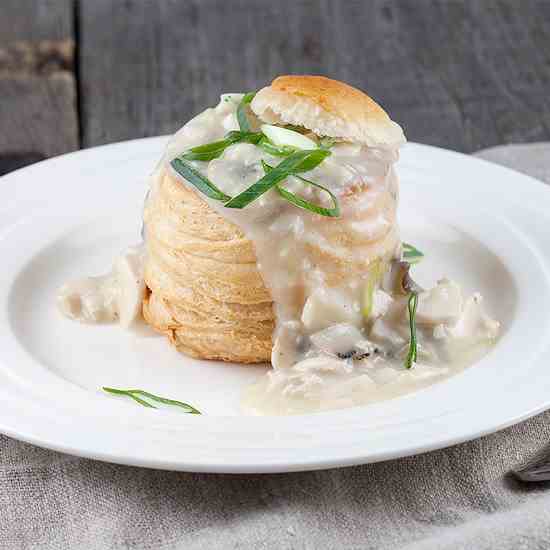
(398, 279)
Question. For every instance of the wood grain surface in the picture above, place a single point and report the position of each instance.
(38, 108)
(459, 74)
(463, 75)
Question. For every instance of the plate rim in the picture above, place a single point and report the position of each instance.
(273, 466)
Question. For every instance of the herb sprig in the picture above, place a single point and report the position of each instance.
(413, 347)
(138, 395)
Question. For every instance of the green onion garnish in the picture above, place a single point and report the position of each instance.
(273, 150)
(411, 254)
(208, 151)
(194, 177)
(244, 124)
(411, 306)
(311, 161)
(296, 161)
(300, 161)
(135, 395)
(213, 150)
(300, 202)
(247, 137)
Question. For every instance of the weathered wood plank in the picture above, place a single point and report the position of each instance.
(38, 111)
(463, 75)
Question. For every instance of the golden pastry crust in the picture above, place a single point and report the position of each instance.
(328, 108)
(205, 291)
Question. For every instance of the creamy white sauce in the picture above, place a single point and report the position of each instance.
(341, 333)
(451, 333)
(115, 296)
(319, 308)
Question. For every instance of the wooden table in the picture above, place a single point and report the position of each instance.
(463, 75)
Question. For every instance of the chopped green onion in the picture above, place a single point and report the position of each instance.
(273, 150)
(209, 151)
(312, 160)
(244, 124)
(247, 137)
(333, 212)
(411, 306)
(194, 177)
(213, 150)
(282, 137)
(300, 202)
(134, 394)
(411, 254)
(300, 161)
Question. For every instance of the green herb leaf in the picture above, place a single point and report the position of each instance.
(313, 160)
(411, 254)
(244, 125)
(300, 161)
(300, 202)
(134, 394)
(213, 150)
(208, 151)
(412, 353)
(273, 150)
(194, 177)
(246, 137)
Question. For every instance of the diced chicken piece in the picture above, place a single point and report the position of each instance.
(118, 294)
(339, 338)
(326, 307)
(441, 304)
(472, 325)
(128, 271)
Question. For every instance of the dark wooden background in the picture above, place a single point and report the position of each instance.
(460, 74)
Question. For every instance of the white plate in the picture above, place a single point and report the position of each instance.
(485, 225)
